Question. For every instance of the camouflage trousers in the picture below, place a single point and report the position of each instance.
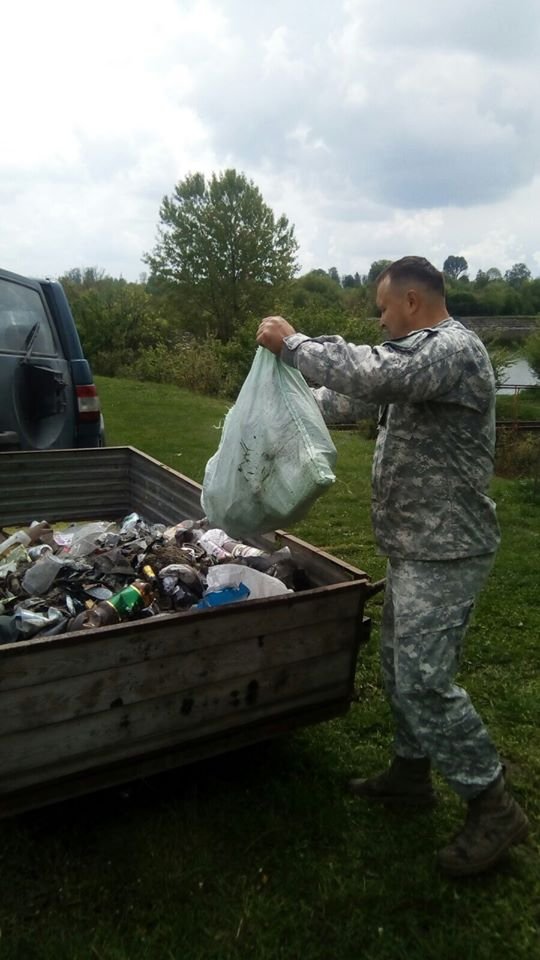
(426, 610)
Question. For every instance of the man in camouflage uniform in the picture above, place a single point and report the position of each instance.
(433, 519)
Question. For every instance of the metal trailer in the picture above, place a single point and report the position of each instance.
(90, 709)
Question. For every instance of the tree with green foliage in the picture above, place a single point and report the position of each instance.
(220, 252)
(455, 267)
(376, 268)
(315, 288)
(88, 277)
(491, 298)
(481, 280)
(533, 291)
(517, 275)
(462, 303)
(352, 281)
(116, 320)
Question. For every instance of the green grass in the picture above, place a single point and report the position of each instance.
(525, 405)
(262, 854)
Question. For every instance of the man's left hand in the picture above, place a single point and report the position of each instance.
(272, 331)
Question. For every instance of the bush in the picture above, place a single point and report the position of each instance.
(192, 364)
(500, 357)
(362, 330)
(236, 357)
(462, 303)
(531, 350)
(517, 455)
(205, 366)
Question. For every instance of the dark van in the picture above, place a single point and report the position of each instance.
(48, 398)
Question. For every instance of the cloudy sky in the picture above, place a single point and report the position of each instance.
(379, 129)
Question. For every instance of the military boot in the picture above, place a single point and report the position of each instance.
(407, 782)
(494, 822)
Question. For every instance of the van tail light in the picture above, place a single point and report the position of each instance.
(88, 404)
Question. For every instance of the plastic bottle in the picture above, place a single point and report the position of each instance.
(25, 537)
(219, 544)
(213, 543)
(242, 549)
(42, 574)
(85, 538)
(117, 608)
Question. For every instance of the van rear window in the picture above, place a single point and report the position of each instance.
(24, 320)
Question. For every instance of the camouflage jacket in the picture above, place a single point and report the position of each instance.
(433, 458)
(336, 408)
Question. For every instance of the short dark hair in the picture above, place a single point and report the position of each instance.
(414, 270)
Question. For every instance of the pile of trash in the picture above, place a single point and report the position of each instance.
(89, 575)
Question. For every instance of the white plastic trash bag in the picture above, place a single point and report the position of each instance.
(260, 585)
(275, 456)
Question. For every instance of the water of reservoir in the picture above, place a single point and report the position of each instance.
(518, 373)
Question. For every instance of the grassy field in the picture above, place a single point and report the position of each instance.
(262, 854)
(525, 405)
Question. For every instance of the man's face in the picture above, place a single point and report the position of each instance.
(394, 303)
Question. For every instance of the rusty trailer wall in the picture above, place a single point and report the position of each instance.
(80, 711)
(77, 705)
(86, 484)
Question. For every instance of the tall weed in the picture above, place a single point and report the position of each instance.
(517, 456)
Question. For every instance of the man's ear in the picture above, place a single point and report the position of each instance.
(413, 301)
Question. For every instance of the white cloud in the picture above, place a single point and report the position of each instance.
(377, 129)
